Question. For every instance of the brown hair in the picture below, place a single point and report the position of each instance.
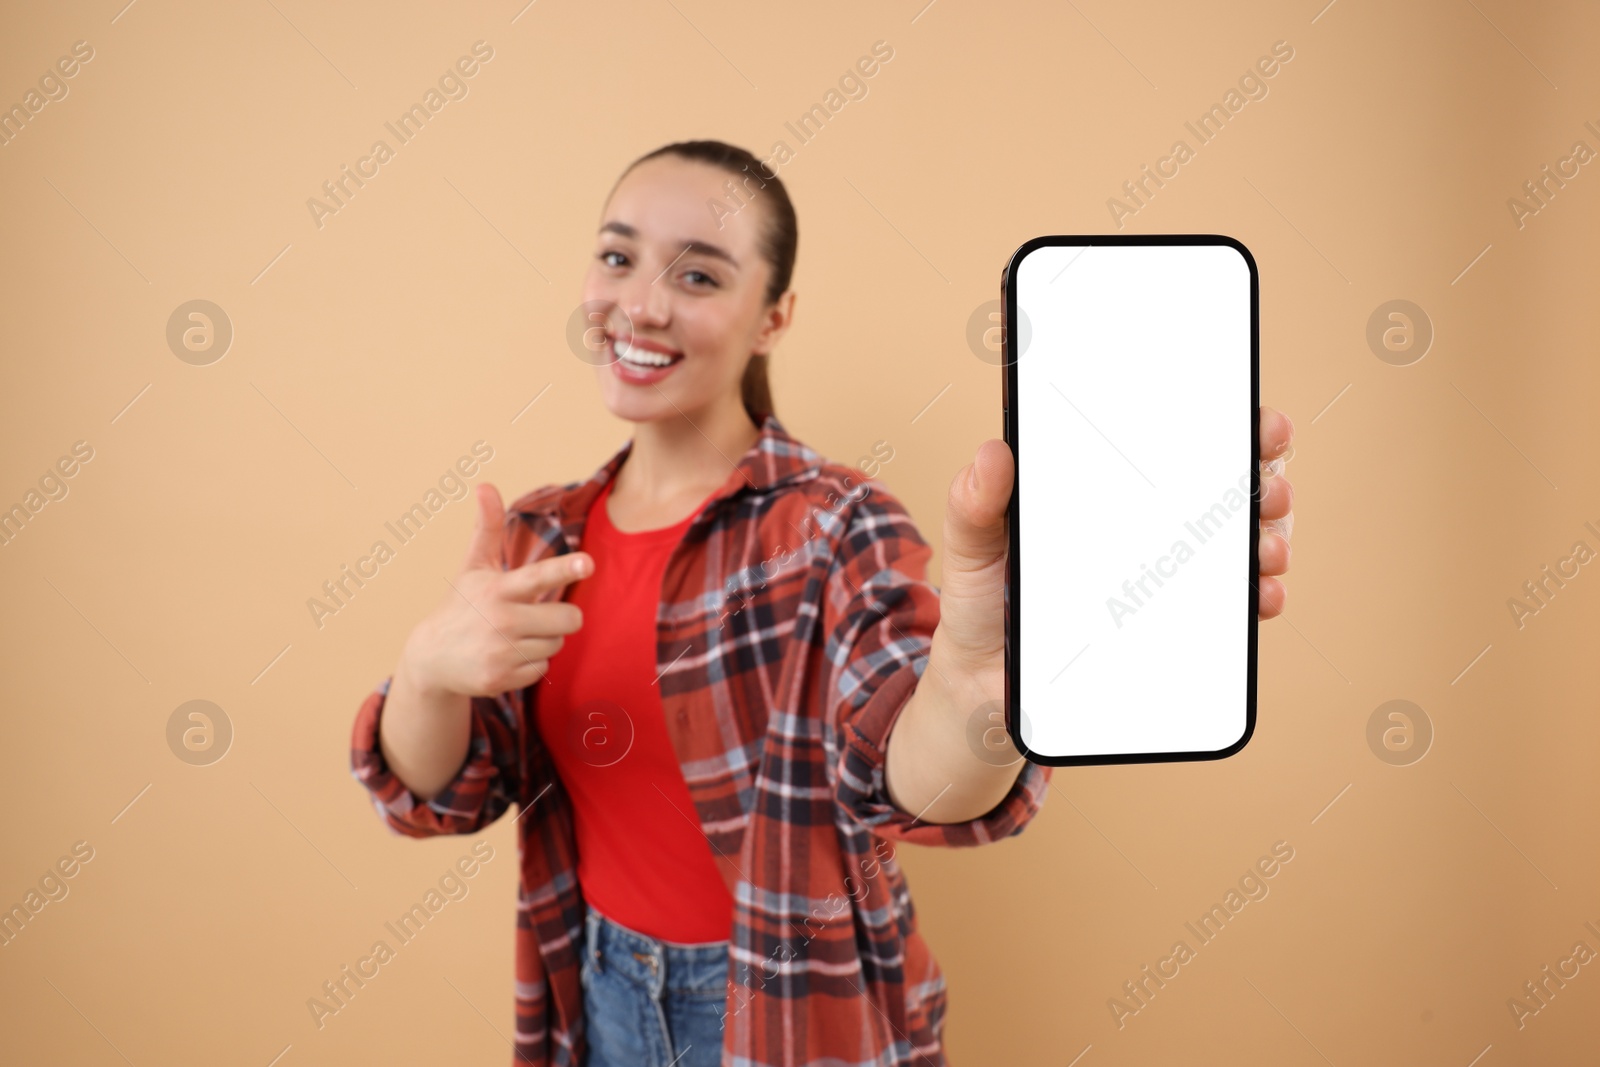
(779, 241)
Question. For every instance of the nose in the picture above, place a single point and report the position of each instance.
(646, 300)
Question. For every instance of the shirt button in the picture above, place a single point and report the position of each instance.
(683, 716)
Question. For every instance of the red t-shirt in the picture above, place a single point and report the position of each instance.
(642, 858)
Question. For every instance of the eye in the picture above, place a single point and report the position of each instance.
(609, 252)
(712, 282)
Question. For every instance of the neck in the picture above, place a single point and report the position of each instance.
(686, 454)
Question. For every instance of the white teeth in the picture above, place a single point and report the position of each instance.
(642, 356)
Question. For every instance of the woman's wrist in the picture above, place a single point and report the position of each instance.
(412, 671)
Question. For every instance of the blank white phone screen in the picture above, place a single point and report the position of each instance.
(1135, 398)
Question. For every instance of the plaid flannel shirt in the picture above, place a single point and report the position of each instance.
(794, 621)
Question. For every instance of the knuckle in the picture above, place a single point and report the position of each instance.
(485, 678)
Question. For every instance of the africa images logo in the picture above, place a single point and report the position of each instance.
(1209, 523)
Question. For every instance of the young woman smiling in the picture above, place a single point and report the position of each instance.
(715, 681)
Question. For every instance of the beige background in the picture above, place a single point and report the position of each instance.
(425, 315)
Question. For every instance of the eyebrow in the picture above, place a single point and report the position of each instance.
(701, 247)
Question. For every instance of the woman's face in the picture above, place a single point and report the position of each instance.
(670, 281)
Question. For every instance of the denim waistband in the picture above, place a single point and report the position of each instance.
(660, 966)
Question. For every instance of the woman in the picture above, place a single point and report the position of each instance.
(686, 672)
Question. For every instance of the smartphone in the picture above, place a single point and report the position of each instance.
(1131, 371)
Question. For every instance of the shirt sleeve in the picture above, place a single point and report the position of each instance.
(489, 780)
(879, 615)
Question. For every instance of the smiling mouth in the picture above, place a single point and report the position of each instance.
(637, 355)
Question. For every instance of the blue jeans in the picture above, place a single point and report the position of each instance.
(651, 1003)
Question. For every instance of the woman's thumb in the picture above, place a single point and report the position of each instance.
(488, 533)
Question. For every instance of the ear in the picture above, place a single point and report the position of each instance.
(776, 323)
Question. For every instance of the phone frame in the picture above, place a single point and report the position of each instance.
(1012, 597)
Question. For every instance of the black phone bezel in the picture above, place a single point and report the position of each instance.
(1012, 597)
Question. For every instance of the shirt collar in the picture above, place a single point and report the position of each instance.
(774, 460)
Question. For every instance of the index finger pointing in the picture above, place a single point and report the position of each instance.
(551, 574)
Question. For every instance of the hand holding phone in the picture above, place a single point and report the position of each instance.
(1131, 404)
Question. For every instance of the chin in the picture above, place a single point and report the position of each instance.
(639, 409)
